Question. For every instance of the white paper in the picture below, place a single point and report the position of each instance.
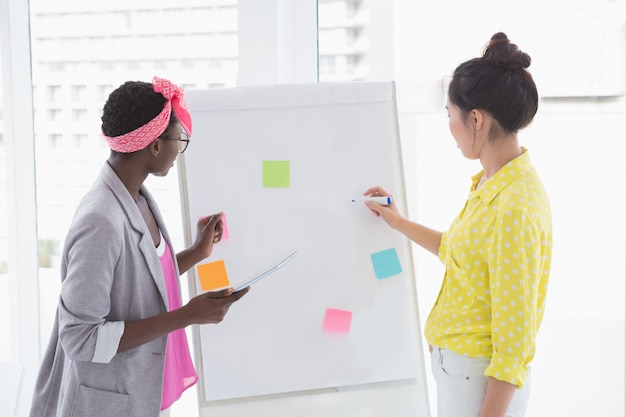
(265, 273)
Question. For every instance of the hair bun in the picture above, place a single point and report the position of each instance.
(500, 52)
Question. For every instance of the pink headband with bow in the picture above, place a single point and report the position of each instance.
(144, 135)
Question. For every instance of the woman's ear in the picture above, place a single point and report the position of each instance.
(154, 147)
(477, 117)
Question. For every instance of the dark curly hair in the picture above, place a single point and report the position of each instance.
(131, 105)
(499, 83)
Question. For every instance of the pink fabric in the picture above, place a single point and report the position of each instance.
(179, 373)
(144, 135)
(175, 94)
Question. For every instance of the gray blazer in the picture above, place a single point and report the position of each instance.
(110, 272)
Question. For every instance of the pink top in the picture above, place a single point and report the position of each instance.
(179, 373)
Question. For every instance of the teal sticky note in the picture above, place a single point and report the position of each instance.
(386, 263)
(276, 174)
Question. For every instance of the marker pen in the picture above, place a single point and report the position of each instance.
(383, 201)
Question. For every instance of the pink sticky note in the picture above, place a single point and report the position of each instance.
(225, 234)
(337, 320)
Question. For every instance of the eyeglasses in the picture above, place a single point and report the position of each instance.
(183, 142)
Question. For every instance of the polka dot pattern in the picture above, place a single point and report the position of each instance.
(497, 256)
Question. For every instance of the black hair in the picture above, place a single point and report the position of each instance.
(131, 105)
(499, 83)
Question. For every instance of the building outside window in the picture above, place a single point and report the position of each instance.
(344, 40)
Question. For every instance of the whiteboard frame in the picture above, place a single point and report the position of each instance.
(418, 384)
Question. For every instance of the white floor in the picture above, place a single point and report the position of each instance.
(579, 370)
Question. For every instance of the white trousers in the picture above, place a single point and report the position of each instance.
(462, 385)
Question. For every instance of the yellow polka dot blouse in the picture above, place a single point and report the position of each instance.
(497, 256)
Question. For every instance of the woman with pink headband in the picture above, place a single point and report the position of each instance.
(118, 346)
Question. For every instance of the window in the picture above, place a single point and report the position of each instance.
(103, 49)
(55, 140)
(54, 115)
(79, 93)
(80, 140)
(103, 93)
(327, 65)
(343, 38)
(79, 115)
(54, 93)
(227, 16)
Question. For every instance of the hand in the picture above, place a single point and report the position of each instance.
(211, 307)
(209, 232)
(390, 213)
(206, 308)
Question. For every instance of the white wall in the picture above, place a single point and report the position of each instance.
(577, 144)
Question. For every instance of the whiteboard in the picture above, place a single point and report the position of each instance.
(283, 163)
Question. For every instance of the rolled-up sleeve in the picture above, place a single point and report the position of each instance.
(93, 248)
(108, 341)
(514, 271)
(443, 248)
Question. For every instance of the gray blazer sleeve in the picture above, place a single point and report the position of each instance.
(95, 246)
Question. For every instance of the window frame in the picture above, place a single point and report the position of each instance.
(23, 268)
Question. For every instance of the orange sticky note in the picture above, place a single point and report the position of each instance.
(213, 276)
(337, 320)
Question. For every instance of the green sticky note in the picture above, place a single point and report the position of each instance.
(276, 174)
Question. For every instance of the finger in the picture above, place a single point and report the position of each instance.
(220, 294)
(380, 192)
(217, 236)
(219, 231)
(202, 221)
(376, 192)
(371, 191)
(212, 221)
(237, 295)
(215, 219)
(374, 207)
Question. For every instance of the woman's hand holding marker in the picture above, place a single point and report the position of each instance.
(389, 212)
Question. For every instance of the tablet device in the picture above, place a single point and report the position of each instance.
(265, 273)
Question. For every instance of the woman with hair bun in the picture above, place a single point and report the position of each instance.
(497, 252)
(118, 346)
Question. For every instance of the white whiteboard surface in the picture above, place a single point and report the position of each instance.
(271, 351)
